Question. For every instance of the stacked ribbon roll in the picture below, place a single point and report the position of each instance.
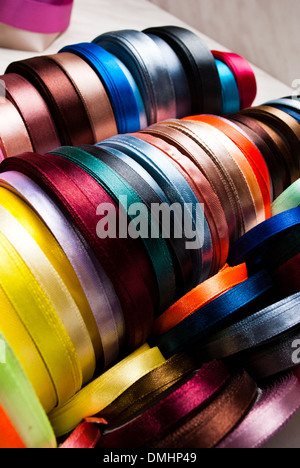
(122, 82)
(121, 329)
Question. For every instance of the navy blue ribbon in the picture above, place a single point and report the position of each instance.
(246, 297)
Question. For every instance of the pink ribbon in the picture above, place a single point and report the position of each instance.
(276, 406)
(40, 16)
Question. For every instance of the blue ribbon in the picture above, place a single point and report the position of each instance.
(117, 85)
(251, 246)
(230, 92)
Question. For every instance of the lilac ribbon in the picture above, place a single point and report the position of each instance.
(277, 404)
(40, 16)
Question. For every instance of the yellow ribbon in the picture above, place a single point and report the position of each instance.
(105, 389)
(53, 286)
(41, 321)
(56, 256)
(27, 353)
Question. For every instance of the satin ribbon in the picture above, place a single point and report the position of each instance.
(277, 403)
(177, 190)
(260, 195)
(267, 147)
(282, 249)
(189, 333)
(251, 153)
(54, 288)
(178, 76)
(207, 428)
(289, 103)
(79, 195)
(21, 405)
(272, 359)
(199, 63)
(148, 390)
(92, 93)
(85, 436)
(250, 247)
(253, 331)
(105, 389)
(230, 92)
(43, 16)
(199, 297)
(34, 111)
(115, 81)
(144, 59)
(98, 289)
(236, 188)
(12, 124)
(286, 126)
(171, 411)
(168, 140)
(27, 353)
(57, 90)
(9, 438)
(56, 256)
(116, 186)
(40, 318)
(180, 256)
(244, 76)
(288, 200)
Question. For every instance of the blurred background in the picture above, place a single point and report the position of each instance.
(266, 32)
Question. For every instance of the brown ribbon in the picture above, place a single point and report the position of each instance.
(166, 139)
(263, 141)
(62, 98)
(287, 127)
(92, 93)
(148, 390)
(34, 112)
(14, 138)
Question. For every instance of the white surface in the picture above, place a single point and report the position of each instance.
(93, 17)
(264, 31)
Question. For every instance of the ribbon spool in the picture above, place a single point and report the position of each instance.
(288, 200)
(145, 61)
(21, 405)
(132, 285)
(230, 91)
(199, 63)
(277, 403)
(115, 79)
(178, 191)
(243, 74)
(158, 253)
(115, 87)
(27, 15)
(33, 110)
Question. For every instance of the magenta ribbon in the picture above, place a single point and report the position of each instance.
(40, 16)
